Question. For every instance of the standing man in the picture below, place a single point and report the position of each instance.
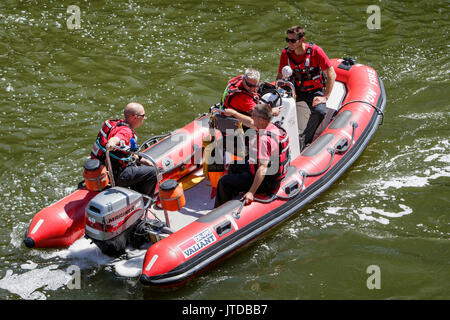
(268, 163)
(139, 175)
(313, 76)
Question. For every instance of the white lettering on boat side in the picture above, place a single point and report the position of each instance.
(197, 243)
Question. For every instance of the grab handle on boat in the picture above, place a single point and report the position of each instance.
(330, 150)
(159, 174)
(343, 145)
(272, 197)
(223, 228)
(237, 214)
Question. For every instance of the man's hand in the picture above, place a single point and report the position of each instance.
(248, 198)
(276, 111)
(229, 112)
(246, 120)
(318, 100)
(114, 141)
(145, 161)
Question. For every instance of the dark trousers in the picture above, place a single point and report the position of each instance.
(140, 178)
(317, 113)
(240, 179)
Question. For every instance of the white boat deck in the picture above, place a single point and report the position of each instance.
(198, 203)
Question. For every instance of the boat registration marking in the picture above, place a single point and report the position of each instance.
(197, 243)
(151, 263)
(37, 226)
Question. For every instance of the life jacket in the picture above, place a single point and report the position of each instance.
(305, 77)
(284, 155)
(235, 86)
(99, 148)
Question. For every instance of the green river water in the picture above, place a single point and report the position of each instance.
(389, 210)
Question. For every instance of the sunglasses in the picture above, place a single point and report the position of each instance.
(140, 115)
(250, 85)
(300, 36)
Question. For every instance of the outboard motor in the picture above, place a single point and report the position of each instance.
(112, 218)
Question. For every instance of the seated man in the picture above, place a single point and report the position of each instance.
(269, 158)
(241, 95)
(313, 76)
(140, 175)
(241, 92)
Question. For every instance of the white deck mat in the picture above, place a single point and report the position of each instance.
(198, 203)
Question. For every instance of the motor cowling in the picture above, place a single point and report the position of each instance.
(112, 217)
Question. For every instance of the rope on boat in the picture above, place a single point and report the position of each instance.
(380, 112)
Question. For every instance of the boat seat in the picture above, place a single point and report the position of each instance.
(333, 105)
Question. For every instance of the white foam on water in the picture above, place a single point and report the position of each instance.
(27, 284)
(366, 213)
(333, 210)
(132, 267)
(30, 265)
(421, 177)
(87, 255)
(414, 180)
(32, 284)
(82, 253)
(426, 115)
(370, 213)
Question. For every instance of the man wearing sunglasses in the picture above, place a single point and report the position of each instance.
(241, 93)
(139, 175)
(313, 76)
(268, 163)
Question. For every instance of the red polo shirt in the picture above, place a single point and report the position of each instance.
(318, 59)
(123, 133)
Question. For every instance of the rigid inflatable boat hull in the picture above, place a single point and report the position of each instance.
(199, 245)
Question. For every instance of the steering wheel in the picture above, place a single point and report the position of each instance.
(273, 103)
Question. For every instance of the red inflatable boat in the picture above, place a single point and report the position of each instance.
(193, 236)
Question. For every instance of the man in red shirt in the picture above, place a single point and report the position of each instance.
(241, 93)
(310, 65)
(139, 175)
(264, 171)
